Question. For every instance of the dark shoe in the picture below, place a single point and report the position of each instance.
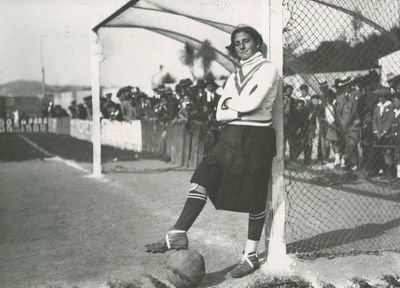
(172, 240)
(246, 266)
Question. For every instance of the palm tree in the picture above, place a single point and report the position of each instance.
(356, 24)
(207, 56)
(188, 56)
(168, 78)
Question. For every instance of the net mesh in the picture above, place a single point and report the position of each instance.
(341, 140)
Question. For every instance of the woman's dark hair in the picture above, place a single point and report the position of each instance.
(250, 31)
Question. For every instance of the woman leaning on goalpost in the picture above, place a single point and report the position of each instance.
(235, 174)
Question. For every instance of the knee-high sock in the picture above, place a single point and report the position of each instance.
(195, 202)
(256, 225)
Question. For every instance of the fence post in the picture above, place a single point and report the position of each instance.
(95, 82)
(275, 240)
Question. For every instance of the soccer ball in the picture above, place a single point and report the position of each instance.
(186, 268)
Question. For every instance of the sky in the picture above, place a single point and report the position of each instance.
(61, 29)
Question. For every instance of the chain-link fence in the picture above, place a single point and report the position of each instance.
(341, 107)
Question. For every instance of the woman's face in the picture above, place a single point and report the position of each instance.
(245, 46)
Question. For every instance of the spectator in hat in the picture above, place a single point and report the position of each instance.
(182, 87)
(211, 97)
(369, 84)
(161, 109)
(394, 82)
(326, 91)
(331, 128)
(186, 82)
(297, 112)
(82, 111)
(311, 128)
(288, 106)
(348, 122)
(185, 109)
(88, 106)
(368, 165)
(114, 112)
(172, 104)
(327, 110)
(59, 112)
(73, 109)
(143, 106)
(196, 100)
(336, 84)
(105, 103)
(305, 93)
(297, 123)
(49, 109)
(126, 103)
(382, 120)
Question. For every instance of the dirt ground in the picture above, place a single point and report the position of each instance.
(63, 228)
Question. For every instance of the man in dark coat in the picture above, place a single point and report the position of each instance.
(288, 108)
(348, 121)
(296, 124)
(312, 111)
(326, 98)
(382, 120)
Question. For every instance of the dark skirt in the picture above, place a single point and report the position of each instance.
(237, 170)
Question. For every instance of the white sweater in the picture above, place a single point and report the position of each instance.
(252, 90)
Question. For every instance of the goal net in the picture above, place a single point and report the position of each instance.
(341, 60)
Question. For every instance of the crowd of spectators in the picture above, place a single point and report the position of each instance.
(187, 102)
(352, 125)
(53, 111)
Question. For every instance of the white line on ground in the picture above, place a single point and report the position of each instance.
(34, 145)
(51, 157)
(70, 163)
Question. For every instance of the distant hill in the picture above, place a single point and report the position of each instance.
(34, 88)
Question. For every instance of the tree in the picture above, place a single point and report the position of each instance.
(357, 24)
(207, 56)
(289, 54)
(188, 56)
(168, 78)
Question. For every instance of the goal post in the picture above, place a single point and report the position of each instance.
(95, 83)
(275, 244)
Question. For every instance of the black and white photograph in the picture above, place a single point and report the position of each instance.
(207, 143)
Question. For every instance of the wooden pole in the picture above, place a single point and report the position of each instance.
(43, 71)
(95, 83)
